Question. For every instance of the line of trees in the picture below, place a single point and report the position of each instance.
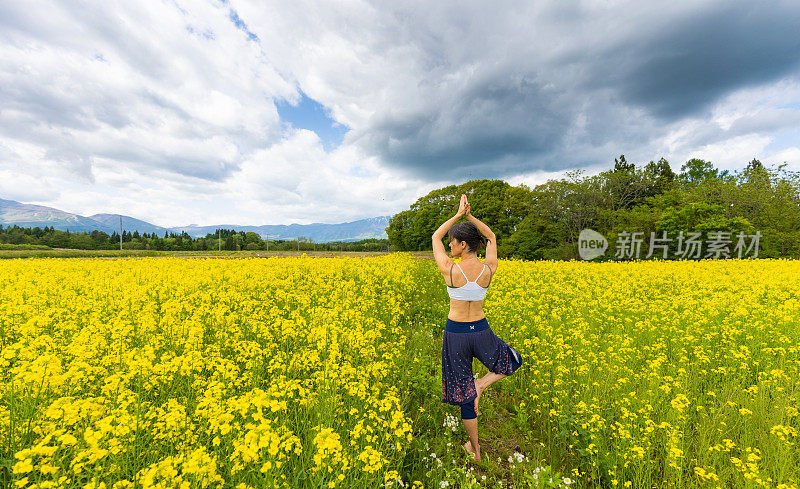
(227, 239)
(544, 222)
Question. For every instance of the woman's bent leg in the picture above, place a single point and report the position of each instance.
(496, 356)
(487, 380)
(481, 385)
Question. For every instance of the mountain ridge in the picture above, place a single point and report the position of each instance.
(32, 215)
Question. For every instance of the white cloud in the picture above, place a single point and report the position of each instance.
(788, 155)
(742, 126)
(296, 181)
(151, 84)
(728, 155)
(25, 188)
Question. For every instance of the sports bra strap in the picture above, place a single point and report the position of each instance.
(462, 272)
(479, 275)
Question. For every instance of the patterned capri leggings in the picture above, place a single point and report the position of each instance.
(462, 342)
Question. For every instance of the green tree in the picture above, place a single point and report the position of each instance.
(622, 166)
(622, 187)
(231, 242)
(536, 238)
(770, 199)
(697, 170)
(658, 177)
(703, 217)
(80, 241)
(399, 230)
(495, 202)
(566, 206)
(251, 238)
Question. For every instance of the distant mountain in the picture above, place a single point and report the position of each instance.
(374, 227)
(31, 216)
(111, 221)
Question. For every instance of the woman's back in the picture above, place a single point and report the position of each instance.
(467, 280)
(467, 289)
(470, 271)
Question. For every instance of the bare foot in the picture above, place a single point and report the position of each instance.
(479, 389)
(475, 456)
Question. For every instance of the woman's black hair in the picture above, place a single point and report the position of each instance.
(466, 231)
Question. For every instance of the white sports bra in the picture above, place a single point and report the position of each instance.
(471, 291)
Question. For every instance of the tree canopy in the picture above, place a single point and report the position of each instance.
(544, 222)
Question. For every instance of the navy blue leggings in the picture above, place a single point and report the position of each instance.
(462, 342)
(468, 410)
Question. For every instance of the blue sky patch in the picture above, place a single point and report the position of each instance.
(313, 116)
(781, 139)
(239, 23)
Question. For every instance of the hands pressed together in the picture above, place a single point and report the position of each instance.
(463, 207)
(463, 210)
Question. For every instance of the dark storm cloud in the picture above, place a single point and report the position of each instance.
(621, 81)
(491, 125)
(685, 69)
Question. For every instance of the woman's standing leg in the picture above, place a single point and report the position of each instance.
(471, 445)
(470, 420)
(458, 384)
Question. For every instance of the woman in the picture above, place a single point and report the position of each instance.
(467, 333)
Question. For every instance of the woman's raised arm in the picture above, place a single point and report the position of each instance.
(439, 253)
(491, 245)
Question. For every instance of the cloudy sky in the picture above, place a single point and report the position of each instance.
(266, 112)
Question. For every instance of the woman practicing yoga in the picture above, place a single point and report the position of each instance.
(467, 333)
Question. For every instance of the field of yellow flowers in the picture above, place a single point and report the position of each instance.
(324, 372)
